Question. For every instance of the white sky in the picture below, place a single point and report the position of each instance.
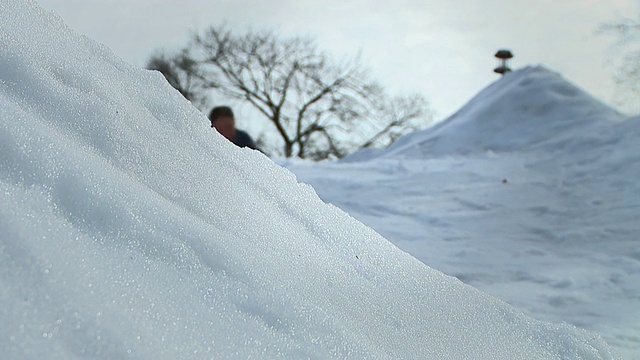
(440, 48)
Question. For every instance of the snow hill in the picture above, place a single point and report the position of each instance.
(129, 230)
(530, 193)
(529, 109)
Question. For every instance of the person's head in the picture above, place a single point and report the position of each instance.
(222, 119)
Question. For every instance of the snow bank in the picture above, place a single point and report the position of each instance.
(129, 229)
(526, 109)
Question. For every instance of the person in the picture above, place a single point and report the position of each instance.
(224, 122)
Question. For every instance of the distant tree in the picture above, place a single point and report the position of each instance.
(319, 108)
(627, 77)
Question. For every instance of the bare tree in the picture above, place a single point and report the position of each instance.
(397, 116)
(627, 77)
(318, 107)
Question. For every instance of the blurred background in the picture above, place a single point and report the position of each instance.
(440, 50)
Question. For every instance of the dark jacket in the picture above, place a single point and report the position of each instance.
(242, 139)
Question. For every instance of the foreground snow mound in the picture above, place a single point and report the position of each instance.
(129, 229)
(532, 108)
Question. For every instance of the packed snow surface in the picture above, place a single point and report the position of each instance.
(129, 229)
(530, 193)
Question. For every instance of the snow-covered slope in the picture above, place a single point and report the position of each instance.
(529, 193)
(530, 108)
(129, 229)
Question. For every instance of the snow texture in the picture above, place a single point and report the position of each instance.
(129, 229)
(530, 193)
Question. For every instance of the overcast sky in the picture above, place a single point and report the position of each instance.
(441, 48)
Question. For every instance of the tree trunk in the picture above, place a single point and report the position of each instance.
(288, 150)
